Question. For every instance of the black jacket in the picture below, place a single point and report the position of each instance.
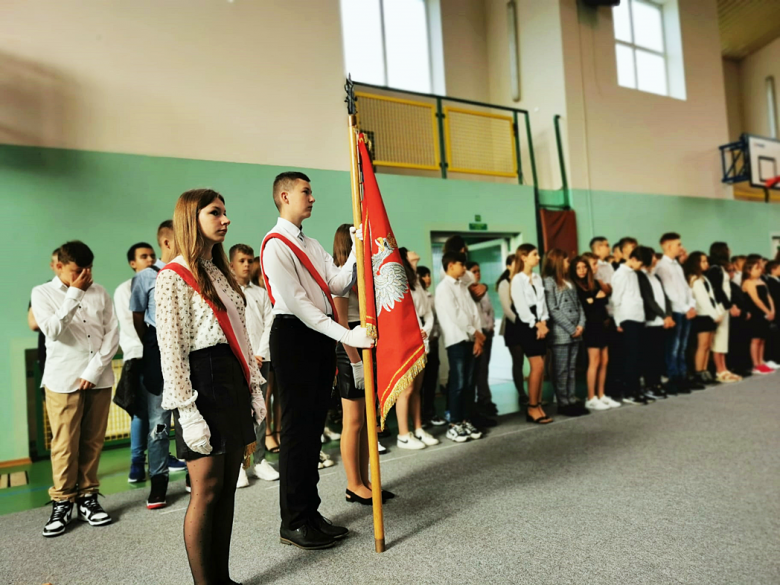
(652, 309)
(716, 275)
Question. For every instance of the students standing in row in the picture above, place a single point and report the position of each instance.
(528, 298)
(301, 278)
(82, 336)
(461, 328)
(567, 324)
(709, 313)
(156, 419)
(683, 311)
(594, 303)
(259, 319)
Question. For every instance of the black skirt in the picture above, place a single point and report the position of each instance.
(595, 334)
(532, 347)
(703, 324)
(512, 333)
(224, 401)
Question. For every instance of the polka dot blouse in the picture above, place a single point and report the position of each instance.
(186, 323)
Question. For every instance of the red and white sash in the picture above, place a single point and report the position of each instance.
(301, 255)
(229, 320)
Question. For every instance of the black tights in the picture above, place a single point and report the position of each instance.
(516, 351)
(208, 523)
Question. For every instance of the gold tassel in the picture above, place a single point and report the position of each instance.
(403, 383)
(248, 450)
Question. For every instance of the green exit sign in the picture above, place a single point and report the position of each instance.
(478, 227)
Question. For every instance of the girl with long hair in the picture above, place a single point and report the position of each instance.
(762, 311)
(709, 313)
(527, 293)
(431, 377)
(567, 324)
(408, 403)
(594, 302)
(721, 285)
(510, 328)
(211, 377)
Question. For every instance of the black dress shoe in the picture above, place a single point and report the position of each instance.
(306, 537)
(483, 422)
(328, 528)
(696, 385)
(570, 410)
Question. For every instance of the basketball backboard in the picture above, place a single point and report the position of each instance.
(752, 159)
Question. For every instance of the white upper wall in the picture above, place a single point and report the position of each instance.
(242, 81)
(629, 141)
(754, 69)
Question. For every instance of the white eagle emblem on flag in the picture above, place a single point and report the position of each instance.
(390, 284)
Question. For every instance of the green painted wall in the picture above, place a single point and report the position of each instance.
(745, 225)
(111, 201)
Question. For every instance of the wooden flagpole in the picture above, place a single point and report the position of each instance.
(368, 359)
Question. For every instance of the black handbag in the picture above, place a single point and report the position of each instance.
(126, 388)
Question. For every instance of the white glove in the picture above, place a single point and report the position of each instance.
(258, 407)
(357, 374)
(356, 233)
(195, 431)
(358, 338)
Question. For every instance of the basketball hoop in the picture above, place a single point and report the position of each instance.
(772, 183)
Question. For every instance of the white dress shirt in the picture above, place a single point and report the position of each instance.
(604, 272)
(626, 296)
(82, 335)
(458, 314)
(671, 274)
(294, 289)
(526, 293)
(487, 313)
(259, 318)
(132, 348)
(423, 308)
(706, 305)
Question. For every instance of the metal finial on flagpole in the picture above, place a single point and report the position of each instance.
(368, 360)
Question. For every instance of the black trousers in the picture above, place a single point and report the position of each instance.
(614, 381)
(653, 354)
(304, 363)
(632, 344)
(430, 381)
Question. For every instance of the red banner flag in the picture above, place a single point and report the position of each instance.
(390, 313)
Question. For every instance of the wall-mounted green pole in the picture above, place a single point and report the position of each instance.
(561, 161)
(442, 147)
(537, 204)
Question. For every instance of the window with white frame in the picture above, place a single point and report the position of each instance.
(386, 42)
(641, 46)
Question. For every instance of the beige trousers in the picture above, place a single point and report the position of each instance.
(78, 424)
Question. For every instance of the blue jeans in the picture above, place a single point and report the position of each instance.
(149, 428)
(461, 378)
(676, 344)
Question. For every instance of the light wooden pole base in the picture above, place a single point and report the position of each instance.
(380, 545)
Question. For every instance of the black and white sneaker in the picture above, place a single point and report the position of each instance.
(61, 515)
(90, 510)
(458, 434)
(473, 431)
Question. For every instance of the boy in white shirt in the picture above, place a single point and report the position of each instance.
(487, 314)
(683, 312)
(630, 323)
(461, 327)
(82, 336)
(259, 319)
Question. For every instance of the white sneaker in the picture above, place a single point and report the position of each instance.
(596, 404)
(473, 431)
(457, 434)
(409, 441)
(325, 461)
(609, 402)
(426, 437)
(773, 365)
(243, 480)
(329, 435)
(381, 447)
(264, 471)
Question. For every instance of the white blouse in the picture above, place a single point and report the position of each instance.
(186, 323)
(704, 295)
(526, 293)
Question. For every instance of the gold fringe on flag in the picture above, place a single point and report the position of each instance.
(248, 450)
(402, 384)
